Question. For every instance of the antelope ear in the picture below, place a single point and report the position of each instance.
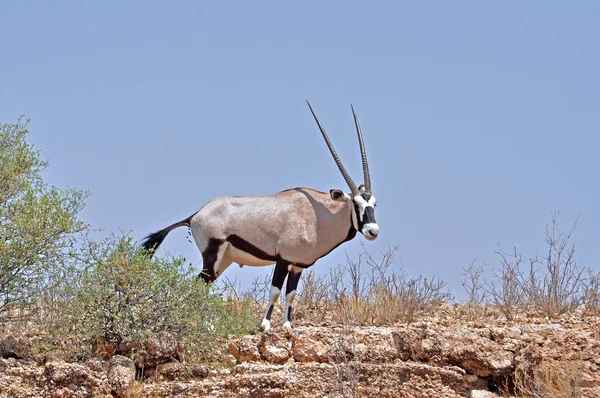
(362, 188)
(339, 196)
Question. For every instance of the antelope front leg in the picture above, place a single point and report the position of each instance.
(281, 271)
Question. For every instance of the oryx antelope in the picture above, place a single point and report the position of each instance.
(291, 229)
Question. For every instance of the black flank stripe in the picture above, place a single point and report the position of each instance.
(245, 246)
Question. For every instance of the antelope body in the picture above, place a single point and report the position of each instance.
(291, 229)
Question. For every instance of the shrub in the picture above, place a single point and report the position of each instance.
(123, 294)
(591, 291)
(551, 290)
(38, 224)
(558, 289)
(476, 297)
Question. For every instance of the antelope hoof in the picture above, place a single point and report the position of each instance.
(287, 325)
(265, 325)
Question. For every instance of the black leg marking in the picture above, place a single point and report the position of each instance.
(269, 311)
(290, 291)
(209, 258)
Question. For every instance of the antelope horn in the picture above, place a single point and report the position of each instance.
(340, 166)
(363, 153)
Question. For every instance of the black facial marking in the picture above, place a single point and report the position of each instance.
(209, 258)
(369, 216)
(357, 211)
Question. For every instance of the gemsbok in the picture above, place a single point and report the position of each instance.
(291, 229)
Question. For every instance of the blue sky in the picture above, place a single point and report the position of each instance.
(479, 118)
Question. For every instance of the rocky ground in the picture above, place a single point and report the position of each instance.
(437, 356)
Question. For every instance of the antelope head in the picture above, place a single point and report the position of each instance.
(363, 200)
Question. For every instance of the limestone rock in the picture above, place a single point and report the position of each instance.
(179, 371)
(472, 350)
(75, 380)
(274, 347)
(121, 375)
(160, 348)
(11, 347)
(245, 349)
(439, 355)
(307, 349)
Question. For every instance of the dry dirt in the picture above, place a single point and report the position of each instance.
(438, 356)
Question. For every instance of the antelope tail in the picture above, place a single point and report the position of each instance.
(151, 242)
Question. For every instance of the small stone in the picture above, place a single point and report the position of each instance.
(471, 379)
(230, 360)
(483, 394)
(96, 365)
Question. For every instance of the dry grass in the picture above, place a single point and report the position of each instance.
(136, 390)
(550, 379)
(370, 291)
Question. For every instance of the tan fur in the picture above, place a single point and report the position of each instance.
(300, 225)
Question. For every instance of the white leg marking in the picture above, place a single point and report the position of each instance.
(273, 297)
(265, 324)
(289, 300)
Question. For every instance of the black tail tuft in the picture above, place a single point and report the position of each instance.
(152, 241)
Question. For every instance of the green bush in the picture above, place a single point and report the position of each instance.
(123, 294)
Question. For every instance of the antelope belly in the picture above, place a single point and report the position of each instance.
(243, 258)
